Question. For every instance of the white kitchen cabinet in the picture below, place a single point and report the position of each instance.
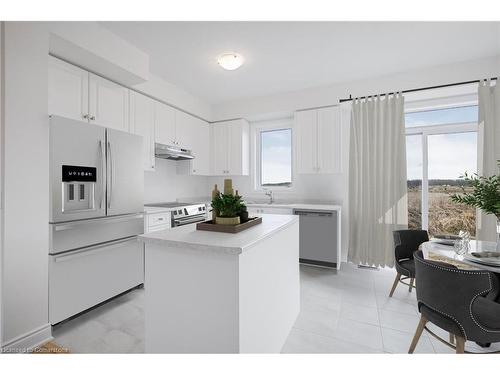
(219, 139)
(68, 90)
(185, 130)
(317, 139)
(200, 148)
(108, 103)
(142, 122)
(230, 148)
(165, 124)
(269, 210)
(305, 138)
(200, 165)
(176, 128)
(156, 221)
(77, 94)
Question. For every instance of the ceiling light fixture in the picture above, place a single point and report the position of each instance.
(230, 60)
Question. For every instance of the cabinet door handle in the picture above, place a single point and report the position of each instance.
(85, 117)
(92, 118)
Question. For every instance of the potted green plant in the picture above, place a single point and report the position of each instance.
(485, 195)
(227, 208)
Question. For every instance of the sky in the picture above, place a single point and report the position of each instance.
(450, 155)
(276, 156)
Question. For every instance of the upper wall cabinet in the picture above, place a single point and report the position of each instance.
(230, 146)
(142, 122)
(197, 133)
(165, 124)
(317, 139)
(108, 103)
(68, 90)
(185, 130)
(80, 95)
(174, 127)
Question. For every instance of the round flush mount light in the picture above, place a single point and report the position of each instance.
(230, 60)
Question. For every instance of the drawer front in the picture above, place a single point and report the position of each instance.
(163, 218)
(271, 210)
(69, 236)
(157, 228)
(81, 279)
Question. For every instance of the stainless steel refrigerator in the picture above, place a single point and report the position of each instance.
(96, 213)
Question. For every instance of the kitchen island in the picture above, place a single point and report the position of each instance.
(210, 292)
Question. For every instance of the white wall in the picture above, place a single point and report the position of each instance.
(91, 45)
(165, 185)
(26, 182)
(1, 179)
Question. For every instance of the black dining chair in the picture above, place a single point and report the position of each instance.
(406, 242)
(465, 303)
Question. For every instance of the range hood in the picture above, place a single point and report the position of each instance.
(172, 152)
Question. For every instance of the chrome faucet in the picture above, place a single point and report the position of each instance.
(270, 194)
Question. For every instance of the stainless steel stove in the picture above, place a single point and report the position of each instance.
(184, 213)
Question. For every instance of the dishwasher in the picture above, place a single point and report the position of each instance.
(319, 237)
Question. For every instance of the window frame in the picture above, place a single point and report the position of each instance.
(263, 126)
(426, 131)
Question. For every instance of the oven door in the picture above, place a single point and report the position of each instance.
(188, 220)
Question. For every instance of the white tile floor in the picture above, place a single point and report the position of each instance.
(344, 312)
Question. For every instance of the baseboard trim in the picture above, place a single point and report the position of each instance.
(29, 341)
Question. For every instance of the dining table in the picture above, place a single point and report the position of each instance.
(437, 251)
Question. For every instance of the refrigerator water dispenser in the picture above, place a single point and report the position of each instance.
(78, 188)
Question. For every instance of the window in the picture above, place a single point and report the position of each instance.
(457, 115)
(274, 157)
(440, 146)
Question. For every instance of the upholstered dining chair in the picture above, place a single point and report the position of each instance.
(462, 302)
(406, 242)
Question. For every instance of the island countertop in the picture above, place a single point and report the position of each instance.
(228, 243)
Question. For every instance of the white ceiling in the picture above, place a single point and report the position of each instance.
(290, 56)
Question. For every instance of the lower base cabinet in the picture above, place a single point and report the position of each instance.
(84, 278)
(269, 210)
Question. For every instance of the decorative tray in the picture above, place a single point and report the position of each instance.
(212, 227)
(489, 258)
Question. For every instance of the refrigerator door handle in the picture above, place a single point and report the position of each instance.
(110, 172)
(101, 174)
(92, 249)
(105, 220)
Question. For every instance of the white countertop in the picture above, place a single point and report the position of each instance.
(154, 210)
(301, 206)
(188, 237)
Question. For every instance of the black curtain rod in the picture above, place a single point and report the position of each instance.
(420, 89)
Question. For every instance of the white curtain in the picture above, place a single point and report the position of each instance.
(488, 143)
(377, 179)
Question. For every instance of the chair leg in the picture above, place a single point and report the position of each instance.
(452, 338)
(460, 345)
(396, 281)
(420, 328)
(412, 280)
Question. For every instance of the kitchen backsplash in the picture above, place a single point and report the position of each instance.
(165, 185)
